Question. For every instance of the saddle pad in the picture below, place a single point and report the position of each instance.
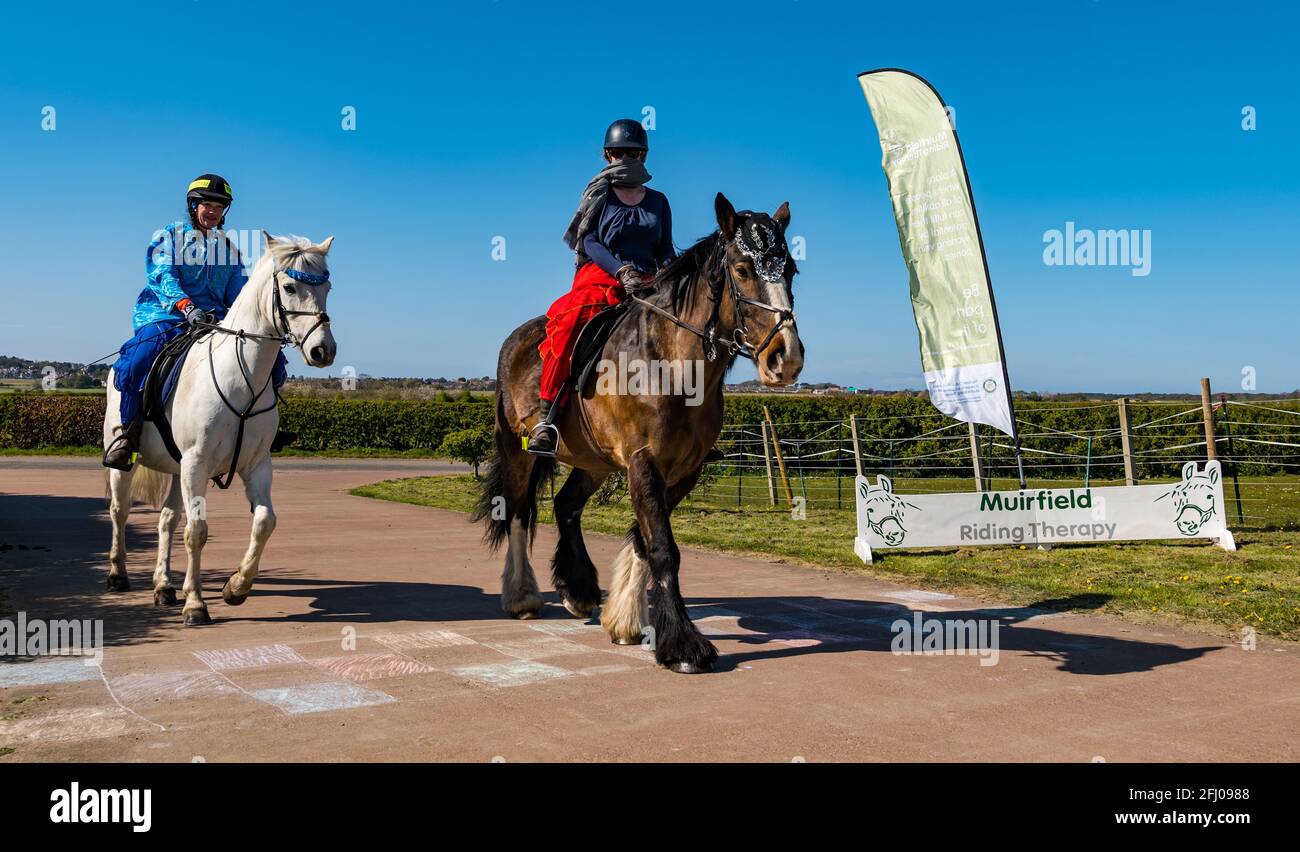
(591, 342)
(165, 373)
(161, 383)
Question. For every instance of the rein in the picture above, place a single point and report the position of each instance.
(287, 338)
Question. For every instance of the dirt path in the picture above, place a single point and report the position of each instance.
(439, 674)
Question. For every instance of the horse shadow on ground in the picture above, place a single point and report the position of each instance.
(772, 627)
(54, 565)
(837, 626)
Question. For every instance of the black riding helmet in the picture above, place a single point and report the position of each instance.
(208, 187)
(627, 133)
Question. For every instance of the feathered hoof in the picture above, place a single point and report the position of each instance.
(118, 583)
(694, 655)
(684, 667)
(578, 609)
(197, 618)
(164, 597)
(230, 597)
(526, 614)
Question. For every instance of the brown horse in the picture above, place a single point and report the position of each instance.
(728, 295)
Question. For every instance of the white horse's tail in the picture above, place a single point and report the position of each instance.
(147, 486)
(150, 486)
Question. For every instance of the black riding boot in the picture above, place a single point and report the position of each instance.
(120, 454)
(544, 438)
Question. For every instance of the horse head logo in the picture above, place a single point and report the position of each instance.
(1195, 497)
(885, 510)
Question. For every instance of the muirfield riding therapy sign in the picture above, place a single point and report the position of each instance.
(1190, 508)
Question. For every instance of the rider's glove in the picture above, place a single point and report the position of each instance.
(193, 315)
(634, 281)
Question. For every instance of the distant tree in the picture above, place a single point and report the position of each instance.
(472, 446)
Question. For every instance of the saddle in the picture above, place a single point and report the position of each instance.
(591, 342)
(586, 355)
(160, 385)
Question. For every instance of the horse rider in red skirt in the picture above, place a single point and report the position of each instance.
(622, 234)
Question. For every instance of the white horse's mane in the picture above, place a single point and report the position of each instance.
(285, 252)
(293, 252)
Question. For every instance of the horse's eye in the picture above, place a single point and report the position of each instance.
(742, 272)
(288, 288)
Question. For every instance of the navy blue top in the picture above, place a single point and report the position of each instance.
(641, 234)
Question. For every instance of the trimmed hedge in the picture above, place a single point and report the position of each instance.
(343, 424)
(51, 419)
(887, 424)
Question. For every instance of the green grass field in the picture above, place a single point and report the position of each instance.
(1184, 582)
(27, 385)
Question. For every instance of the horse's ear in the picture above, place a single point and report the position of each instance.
(726, 215)
(325, 246)
(782, 215)
(886, 484)
(1212, 469)
(1189, 470)
(267, 238)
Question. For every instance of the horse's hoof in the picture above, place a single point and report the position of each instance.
(683, 667)
(626, 640)
(197, 618)
(230, 597)
(578, 610)
(164, 597)
(526, 615)
(118, 583)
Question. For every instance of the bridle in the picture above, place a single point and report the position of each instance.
(285, 338)
(282, 314)
(769, 258)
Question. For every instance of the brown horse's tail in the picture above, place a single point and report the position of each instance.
(503, 497)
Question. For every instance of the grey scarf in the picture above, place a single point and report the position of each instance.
(626, 172)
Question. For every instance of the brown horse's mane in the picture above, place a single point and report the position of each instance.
(689, 267)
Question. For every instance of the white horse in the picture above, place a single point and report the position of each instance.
(224, 376)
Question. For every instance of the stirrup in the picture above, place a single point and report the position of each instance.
(122, 438)
(538, 430)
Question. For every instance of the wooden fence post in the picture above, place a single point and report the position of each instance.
(1232, 456)
(780, 461)
(857, 444)
(740, 480)
(767, 461)
(975, 460)
(1207, 409)
(1126, 443)
(839, 457)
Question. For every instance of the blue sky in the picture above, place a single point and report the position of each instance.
(484, 119)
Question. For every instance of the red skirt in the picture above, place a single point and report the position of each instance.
(593, 290)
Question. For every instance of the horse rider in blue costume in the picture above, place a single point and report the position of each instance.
(193, 274)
